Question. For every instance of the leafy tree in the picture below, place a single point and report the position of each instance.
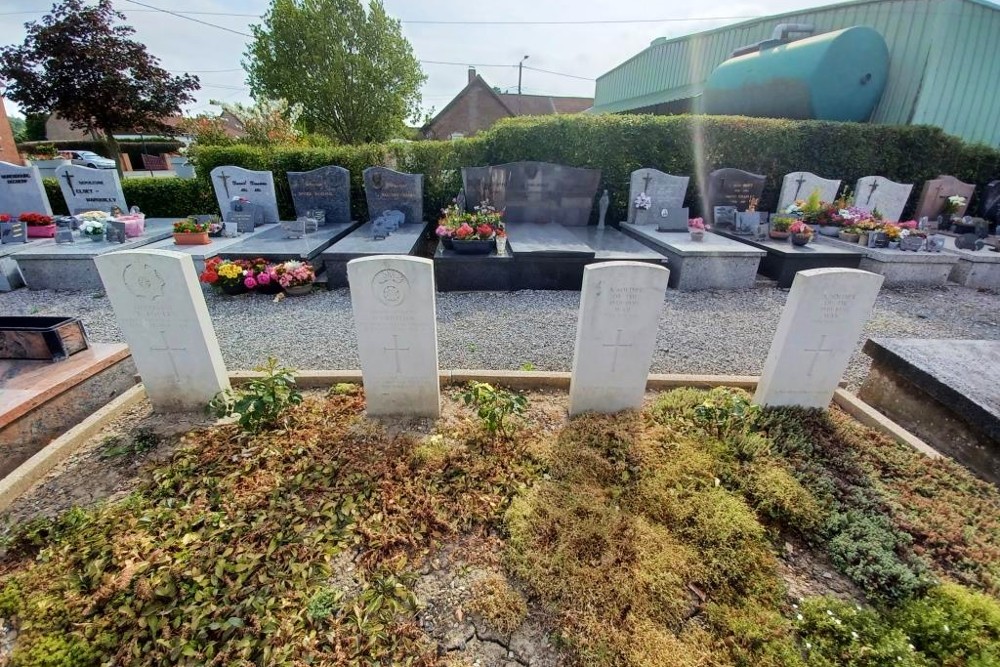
(348, 66)
(79, 62)
(34, 126)
(18, 127)
(267, 122)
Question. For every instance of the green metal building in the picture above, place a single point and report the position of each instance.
(944, 63)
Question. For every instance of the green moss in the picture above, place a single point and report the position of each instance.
(499, 604)
(953, 626)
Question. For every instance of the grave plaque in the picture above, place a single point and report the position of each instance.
(936, 192)
(327, 189)
(161, 311)
(818, 332)
(878, 193)
(665, 192)
(86, 189)
(13, 232)
(733, 187)
(394, 312)
(257, 187)
(991, 201)
(21, 191)
(724, 217)
(801, 184)
(535, 192)
(616, 329)
(387, 190)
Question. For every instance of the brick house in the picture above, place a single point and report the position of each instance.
(59, 129)
(478, 106)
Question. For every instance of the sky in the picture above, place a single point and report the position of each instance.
(583, 51)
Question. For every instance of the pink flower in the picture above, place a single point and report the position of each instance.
(250, 282)
(443, 231)
(909, 224)
(696, 224)
(264, 279)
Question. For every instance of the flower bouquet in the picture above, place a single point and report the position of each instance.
(696, 227)
(40, 226)
(191, 232)
(470, 232)
(295, 277)
(93, 229)
(952, 205)
(228, 276)
(643, 202)
(801, 233)
(779, 227)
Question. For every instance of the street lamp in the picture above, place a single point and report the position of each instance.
(519, 69)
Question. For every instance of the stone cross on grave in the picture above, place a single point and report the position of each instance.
(69, 181)
(871, 191)
(798, 187)
(169, 350)
(396, 349)
(820, 349)
(645, 182)
(224, 177)
(616, 345)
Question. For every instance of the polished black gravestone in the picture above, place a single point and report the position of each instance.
(783, 260)
(944, 391)
(732, 187)
(991, 203)
(455, 272)
(534, 192)
(405, 240)
(326, 188)
(387, 190)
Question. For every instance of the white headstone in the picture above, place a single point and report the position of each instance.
(21, 190)
(161, 311)
(615, 335)
(394, 311)
(665, 190)
(86, 189)
(877, 192)
(256, 187)
(801, 184)
(818, 332)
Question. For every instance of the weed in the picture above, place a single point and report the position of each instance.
(527, 366)
(259, 403)
(726, 411)
(494, 405)
(499, 604)
(345, 389)
(34, 310)
(142, 440)
(323, 604)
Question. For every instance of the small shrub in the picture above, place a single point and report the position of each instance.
(527, 367)
(345, 389)
(500, 605)
(954, 626)
(259, 403)
(323, 604)
(835, 633)
(494, 406)
(776, 494)
(726, 411)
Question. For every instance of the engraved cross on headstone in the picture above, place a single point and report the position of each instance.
(871, 191)
(798, 188)
(69, 181)
(396, 349)
(645, 182)
(224, 177)
(169, 350)
(820, 349)
(616, 345)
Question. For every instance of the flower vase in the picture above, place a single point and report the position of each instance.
(96, 238)
(191, 238)
(473, 246)
(447, 242)
(501, 245)
(893, 245)
(848, 236)
(829, 230)
(299, 290)
(697, 236)
(863, 239)
(41, 231)
(801, 239)
(778, 236)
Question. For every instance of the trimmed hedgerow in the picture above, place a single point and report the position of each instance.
(156, 197)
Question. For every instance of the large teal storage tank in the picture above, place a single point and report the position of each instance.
(833, 76)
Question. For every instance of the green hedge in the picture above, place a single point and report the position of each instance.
(135, 149)
(156, 197)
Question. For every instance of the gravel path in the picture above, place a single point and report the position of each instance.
(700, 332)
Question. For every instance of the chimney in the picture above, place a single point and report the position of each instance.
(472, 74)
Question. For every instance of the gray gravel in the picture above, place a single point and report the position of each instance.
(700, 332)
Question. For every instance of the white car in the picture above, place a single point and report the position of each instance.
(90, 159)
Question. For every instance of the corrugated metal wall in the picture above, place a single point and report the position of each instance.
(944, 62)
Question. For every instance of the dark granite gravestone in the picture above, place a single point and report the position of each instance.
(733, 187)
(326, 188)
(936, 192)
(991, 202)
(968, 242)
(387, 190)
(534, 192)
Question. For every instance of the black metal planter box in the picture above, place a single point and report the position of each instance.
(44, 338)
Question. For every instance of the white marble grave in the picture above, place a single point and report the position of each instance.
(257, 187)
(877, 192)
(824, 316)
(665, 190)
(21, 190)
(161, 311)
(393, 300)
(86, 189)
(801, 184)
(615, 335)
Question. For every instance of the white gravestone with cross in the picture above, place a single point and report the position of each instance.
(257, 187)
(161, 311)
(615, 335)
(818, 332)
(393, 300)
(879, 193)
(801, 184)
(86, 189)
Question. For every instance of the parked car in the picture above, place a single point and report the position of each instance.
(90, 159)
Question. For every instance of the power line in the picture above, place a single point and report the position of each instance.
(189, 18)
(569, 76)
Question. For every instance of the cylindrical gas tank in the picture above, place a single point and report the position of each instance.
(833, 76)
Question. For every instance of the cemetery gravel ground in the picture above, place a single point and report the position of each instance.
(712, 332)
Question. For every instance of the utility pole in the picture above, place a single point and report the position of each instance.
(519, 70)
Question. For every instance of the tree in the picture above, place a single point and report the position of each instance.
(79, 62)
(349, 67)
(18, 127)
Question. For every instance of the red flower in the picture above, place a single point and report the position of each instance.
(464, 231)
(4, 217)
(485, 230)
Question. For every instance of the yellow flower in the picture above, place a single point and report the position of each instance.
(230, 271)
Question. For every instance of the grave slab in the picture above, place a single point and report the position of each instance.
(616, 331)
(945, 392)
(46, 264)
(979, 269)
(200, 253)
(546, 240)
(327, 188)
(394, 311)
(454, 272)
(783, 260)
(255, 186)
(86, 189)
(21, 191)
(821, 323)
(900, 267)
(359, 243)
(801, 184)
(609, 244)
(664, 190)
(713, 263)
(161, 311)
(877, 192)
(272, 244)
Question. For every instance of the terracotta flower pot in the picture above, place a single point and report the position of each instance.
(778, 236)
(850, 238)
(191, 238)
(41, 231)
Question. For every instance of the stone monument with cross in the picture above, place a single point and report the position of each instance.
(733, 189)
(801, 184)
(257, 187)
(393, 300)
(935, 194)
(819, 330)
(616, 331)
(161, 311)
(86, 189)
(665, 192)
(879, 193)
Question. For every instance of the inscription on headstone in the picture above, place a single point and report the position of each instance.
(387, 190)
(801, 184)
(86, 189)
(21, 191)
(326, 188)
(256, 187)
(733, 187)
(665, 192)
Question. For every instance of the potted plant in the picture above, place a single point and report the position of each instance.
(696, 226)
(93, 229)
(40, 226)
(893, 233)
(779, 227)
(295, 277)
(191, 232)
(801, 233)
(864, 227)
(911, 239)
(261, 276)
(849, 234)
(471, 232)
(228, 276)
(952, 205)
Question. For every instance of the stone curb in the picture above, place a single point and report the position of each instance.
(872, 418)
